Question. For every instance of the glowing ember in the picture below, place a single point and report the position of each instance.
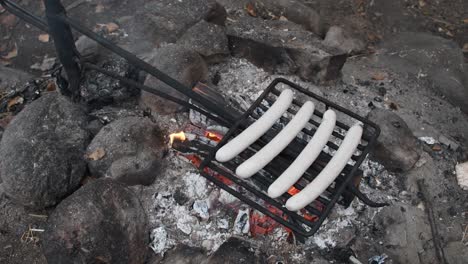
(213, 136)
(179, 136)
(293, 190)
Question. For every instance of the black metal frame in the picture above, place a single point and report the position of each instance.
(295, 221)
(59, 26)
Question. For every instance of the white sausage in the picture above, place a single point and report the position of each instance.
(329, 173)
(277, 144)
(257, 129)
(308, 155)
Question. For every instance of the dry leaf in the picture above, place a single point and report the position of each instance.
(51, 86)
(98, 154)
(15, 101)
(99, 8)
(13, 53)
(111, 27)
(422, 3)
(44, 38)
(8, 20)
(465, 20)
(465, 48)
(251, 10)
(379, 76)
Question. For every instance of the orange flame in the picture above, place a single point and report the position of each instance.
(180, 136)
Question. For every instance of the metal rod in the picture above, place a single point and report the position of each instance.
(142, 65)
(18, 11)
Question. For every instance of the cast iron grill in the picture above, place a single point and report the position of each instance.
(258, 184)
(252, 191)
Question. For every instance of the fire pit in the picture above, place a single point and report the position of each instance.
(216, 145)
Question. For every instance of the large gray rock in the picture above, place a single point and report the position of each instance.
(129, 150)
(396, 147)
(235, 251)
(293, 10)
(167, 20)
(429, 58)
(405, 233)
(284, 47)
(180, 63)
(41, 152)
(208, 39)
(338, 38)
(183, 254)
(102, 222)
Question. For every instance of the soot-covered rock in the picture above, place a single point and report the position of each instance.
(438, 61)
(235, 251)
(102, 222)
(41, 152)
(184, 254)
(284, 47)
(167, 20)
(293, 10)
(336, 37)
(396, 147)
(180, 63)
(129, 150)
(208, 39)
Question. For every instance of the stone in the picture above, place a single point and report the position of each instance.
(42, 152)
(102, 222)
(449, 142)
(131, 151)
(336, 37)
(283, 47)
(461, 170)
(292, 10)
(89, 49)
(10, 77)
(183, 254)
(166, 20)
(436, 61)
(405, 232)
(208, 39)
(182, 64)
(235, 251)
(396, 147)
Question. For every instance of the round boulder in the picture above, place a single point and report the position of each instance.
(41, 152)
(181, 63)
(129, 150)
(102, 222)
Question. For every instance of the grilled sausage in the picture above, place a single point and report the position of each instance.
(306, 158)
(329, 173)
(257, 129)
(277, 144)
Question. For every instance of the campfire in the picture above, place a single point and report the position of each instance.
(215, 131)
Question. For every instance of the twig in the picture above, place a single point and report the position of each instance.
(38, 216)
(75, 4)
(439, 251)
(464, 234)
